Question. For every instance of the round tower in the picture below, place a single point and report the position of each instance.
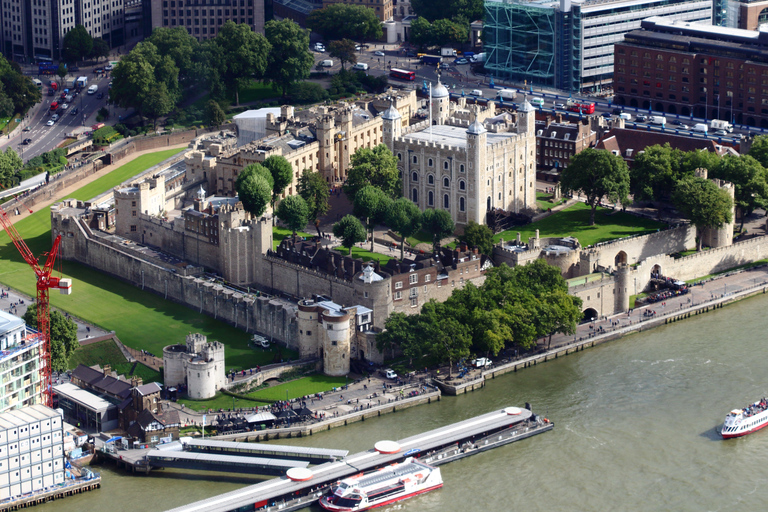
(392, 126)
(336, 345)
(621, 289)
(440, 103)
(174, 373)
(309, 329)
(476, 157)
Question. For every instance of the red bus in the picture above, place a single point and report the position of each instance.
(584, 108)
(402, 74)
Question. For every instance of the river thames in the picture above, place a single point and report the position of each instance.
(635, 429)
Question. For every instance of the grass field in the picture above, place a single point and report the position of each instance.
(544, 200)
(279, 234)
(574, 221)
(107, 351)
(366, 255)
(220, 401)
(141, 319)
(256, 91)
(420, 238)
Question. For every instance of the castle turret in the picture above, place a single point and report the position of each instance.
(336, 346)
(392, 126)
(309, 329)
(440, 103)
(621, 289)
(476, 156)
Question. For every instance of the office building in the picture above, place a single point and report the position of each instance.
(691, 69)
(203, 18)
(20, 382)
(33, 31)
(31, 451)
(568, 44)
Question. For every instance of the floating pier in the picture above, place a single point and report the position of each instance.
(303, 486)
(40, 498)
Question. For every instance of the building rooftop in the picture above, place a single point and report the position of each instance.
(452, 135)
(82, 396)
(9, 322)
(101, 383)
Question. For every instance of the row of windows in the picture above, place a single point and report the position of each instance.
(431, 200)
(430, 162)
(446, 181)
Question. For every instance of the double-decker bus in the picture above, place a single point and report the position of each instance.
(402, 74)
(584, 108)
(47, 68)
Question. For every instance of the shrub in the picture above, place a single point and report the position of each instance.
(63, 160)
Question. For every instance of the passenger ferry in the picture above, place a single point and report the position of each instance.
(741, 422)
(378, 488)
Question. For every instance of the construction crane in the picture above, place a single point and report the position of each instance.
(45, 281)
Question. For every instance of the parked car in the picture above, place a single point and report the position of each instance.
(73, 111)
(461, 61)
(482, 362)
(27, 129)
(108, 68)
(379, 53)
(390, 374)
(319, 47)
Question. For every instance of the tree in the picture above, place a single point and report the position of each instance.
(453, 9)
(290, 61)
(445, 31)
(377, 167)
(597, 174)
(61, 73)
(759, 149)
(9, 164)
(214, 115)
(100, 49)
(339, 21)
(254, 188)
(183, 50)
(444, 336)
(77, 44)
(437, 223)
(749, 181)
(398, 331)
(314, 189)
(404, 218)
(654, 172)
(350, 231)
(63, 342)
(294, 212)
(344, 50)
(19, 89)
(371, 204)
(282, 174)
(243, 56)
(478, 235)
(421, 32)
(157, 103)
(704, 203)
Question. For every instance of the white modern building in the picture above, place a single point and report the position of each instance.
(31, 450)
(20, 383)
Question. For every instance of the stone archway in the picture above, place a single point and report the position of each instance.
(672, 109)
(633, 103)
(620, 259)
(656, 272)
(685, 111)
(590, 314)
(660, 107)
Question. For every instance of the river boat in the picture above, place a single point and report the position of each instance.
(378, 488)
(740, 422)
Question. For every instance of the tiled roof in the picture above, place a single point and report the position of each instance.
(97, 381)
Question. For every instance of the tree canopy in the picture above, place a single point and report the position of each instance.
(438, 224)
(294, 212)
(350, 230)
(77, 44)
(17, 92)
(478, 235)
(9, 164)
(282, 174)
(100, 49)
(254, 188)
(440, 32)
(214, 115)
(238, 55)
(404, 218)
(63, 341)
(749, 181)
(596, 174)
(339, 21)
(290, 60)
(704, 203)
(655, 172)
(377, 167)
(314, 189)
(371, 205)
(759, 150)
(344, 50)
(453, 9)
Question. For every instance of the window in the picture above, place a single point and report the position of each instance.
(446, 202)
(446, 182)
(430, 198)
(398, 295)
(398, 285)
(427, 278)
(462, 185)
(461, 203)
(415, 159)
(413, 278)
(400, 157)
(415, 176)
(133, 229)
(429, 162)
(415, 195)
(445, 165)
(461, 168)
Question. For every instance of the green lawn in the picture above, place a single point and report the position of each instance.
(300, 387)
(420, 238)
(256, 91)
(279, 234)
(220, 401)
(141, 319)
(544, 200)
(366, 255)
(574, 221)
(107, 352)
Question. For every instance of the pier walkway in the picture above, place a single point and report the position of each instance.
(217, 462)
(456, 440)
(273, 451)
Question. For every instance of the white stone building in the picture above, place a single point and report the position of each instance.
(19, 364)
(198, 365)
(31, 450)
(469, 160)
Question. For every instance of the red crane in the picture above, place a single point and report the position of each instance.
(45, 281)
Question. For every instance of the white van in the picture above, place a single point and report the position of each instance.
(327, 63)
(625, 116)
(362, 66)
(701, 127)
(659, 120)
(475, 92)
(92, 89)
(537, 102)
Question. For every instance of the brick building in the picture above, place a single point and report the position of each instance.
(557, 140)
(694, 69)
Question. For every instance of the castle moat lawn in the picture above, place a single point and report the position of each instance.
(141, 319)
(574, 221)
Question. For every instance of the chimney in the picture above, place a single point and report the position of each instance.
(107, 370)
(463, 247)
(474, 250)
(548, 121)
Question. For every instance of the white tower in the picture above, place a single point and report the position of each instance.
(476, 157)
(392, 126)
(440, 103)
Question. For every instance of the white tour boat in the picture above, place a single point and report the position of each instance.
(382, 487)
(741, 422)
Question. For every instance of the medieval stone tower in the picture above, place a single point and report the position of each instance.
(392, 125)
(477, 137)
(440, 104)
(326, 127)
(326, 333)
(621, 288)
(722, 236)
(198, 364)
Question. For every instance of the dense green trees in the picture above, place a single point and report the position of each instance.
(749, 181)
(377, 167)
(339, 21)
(759, 150)
(9, 164)
(438, 224)
(294, 212)
(704, 203)
(596, 174)
(404, 217)
(254, 188)
(243, 55)
(214, 115)
(344, 50)
(282, 175)
(17, 92)
(289, 58)
(478, 235)
(63, 341)
(439, 32)
(314, 189)
(350, 230)
(469, 10)
(513, 308)
(371, 204)
(77, 44)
